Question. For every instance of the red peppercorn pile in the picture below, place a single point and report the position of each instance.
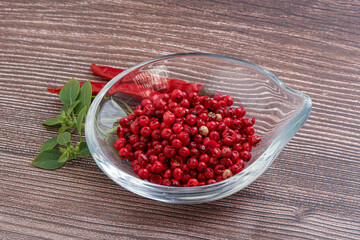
(186, 140)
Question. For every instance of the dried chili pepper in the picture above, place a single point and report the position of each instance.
(96, 87)
(132, 89)
(169, 83)
(131, 84)
(105, 71)
(183, 86)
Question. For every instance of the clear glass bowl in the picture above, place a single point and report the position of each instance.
(279, 111)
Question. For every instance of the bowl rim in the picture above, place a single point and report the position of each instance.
(283, 137)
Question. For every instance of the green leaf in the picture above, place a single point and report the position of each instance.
(63, 114)
(84, 97)
(63, 138)
(64, 108)
(64, 157)
(49, 144)
(72, 106)
(69, 92)
(48, 160)
(80, 119)
(52, 122)
(63, 128)
(83, 149)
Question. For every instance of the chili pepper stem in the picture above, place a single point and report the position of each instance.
(114, 129)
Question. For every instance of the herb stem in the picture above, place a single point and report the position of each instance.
(127, 106)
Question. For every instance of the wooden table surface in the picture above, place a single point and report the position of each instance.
(311, 191)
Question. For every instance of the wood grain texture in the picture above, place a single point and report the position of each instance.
(310, 192)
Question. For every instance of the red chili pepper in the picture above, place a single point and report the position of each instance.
(132, 83)
(96, 87)
(169, 84)
(183, 86)
(132, 89)
(105, 71)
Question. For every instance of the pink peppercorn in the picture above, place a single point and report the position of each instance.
(177, 173)
(143, 173)
(193, 182)
(183, 139)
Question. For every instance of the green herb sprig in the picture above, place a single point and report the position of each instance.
(76, 102)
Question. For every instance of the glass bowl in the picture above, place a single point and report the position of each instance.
(279, 111)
